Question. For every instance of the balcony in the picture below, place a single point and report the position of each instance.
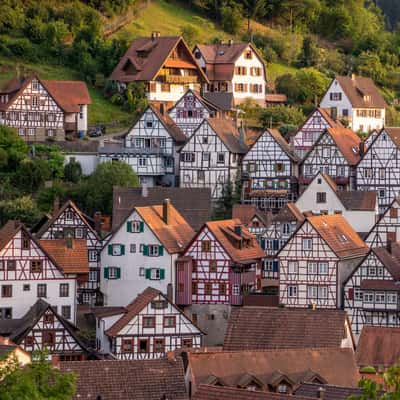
(179, 79)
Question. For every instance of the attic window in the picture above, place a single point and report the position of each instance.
(354, 150)
(197, 54)
(221, 53)
(367, 98)
(35, 85)
(343, 238)
(159, 304)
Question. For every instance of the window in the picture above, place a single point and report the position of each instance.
(220, 158)
(194, 287)
(127, 345)
(153, 250)
(142, 271)
(212, 266)
(36, 266)
(368, 297)
(200, 175)
(248, 55)
(143, 346)
(391, 298)
(35, 85)
(312, 292)
(149, 322)
(188, 343)
(25, 245)
(358, 295)
(41, 290)
(187, 157)
(393, 212)
(321, 197)
(92, 255)
(279, 167)
(35, 101)
(81, 112)
(222, 289)
(282, 388)
(132, 248)
(379, 297)
(335, 96)
(165, 87)
(48, 318)
(307, 244)
(142, 162)
(64, 289)
(6, 291)
(48, 338)
(79, 233)
(66, 312)
(69, 215)
(371, 271)
(29, 341)
(208, 288)
(312, 268)
(159, 345)
(92, 276)
(292, 291)
(26, 288)
(286, 229)
(116, 249)
(149, 124)
(50, 133)
(135, 226)
(381, 193)
(323, 292)
(156, 274)
(382, 173)
(236, 290)
(293, 267)
(206, 157)
(114, 273)
(368, 173)
(204, 139)
(205, 246)
(169, 321)
(11, 265)
(323, 268)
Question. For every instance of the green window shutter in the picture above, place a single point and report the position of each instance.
(160, 250)
(106, 273)
(141, 224)
(162, 273)
(145, 250)
(118, 273)
(110, 249)
(148, 273)
(129, 226)
(122, 249)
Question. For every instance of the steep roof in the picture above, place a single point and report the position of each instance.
(72, 259)
(394, 133)
(391, 260)
(148, 55)
(227, 131)
(199, 96)
(326, 113)
(357, 88)
(252, 328)
(339, 235)
(336, 366)
(246, 213)
(285, 146)
(194, 204)
(289, 212)
(330, 392)
(224, 232)
(221, 100)
(127, 380)
(347, 142)
(378, 346)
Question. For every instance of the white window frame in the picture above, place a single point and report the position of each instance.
(93, 257)
(293, 267)
(236, 290)
(309, 245)
(312, 292)
(142, 162)
(323, 268)
(79, 233)
(112, 272)
(135, 226)
(155, 274)
(312, 267)
(154, 250)
(292, 291)
(93, 275)
(142, 271)
(116, 249)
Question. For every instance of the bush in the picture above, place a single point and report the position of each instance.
(281, 115)
(191, 34)
(73, 171)
(22, 208)
(231, 18)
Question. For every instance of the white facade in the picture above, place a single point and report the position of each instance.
(82, 118)
(103, 342)
(27, 274)
(320, 198)
(126, 270)
(360, 119)
(87, 161)
(172, 94)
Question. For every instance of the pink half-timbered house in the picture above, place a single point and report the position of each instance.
(42, 328)
(28, 273)
(316, 260)
(149, 327)
(219, 267)
(69, 222)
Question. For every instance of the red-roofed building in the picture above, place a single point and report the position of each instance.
(40, 109)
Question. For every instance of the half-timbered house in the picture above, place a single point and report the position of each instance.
(40, 109)
(322, 196)
(336, 153)
(387, 227)
(68, 222)
(315, 125)
(379, 168)
(371, 292)
(150, 327)
(150, 148)
(142, 251)
(270, 172)
(28, 273)
(316, 260)
(212, 156)
(189, 111)
(233, 69)
(164, 63)
(252, 218)
(356, 100)
(42, 328)
(218, 268)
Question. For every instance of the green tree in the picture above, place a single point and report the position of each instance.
(191, 34)
(36, 381)
(289, 85)
(281, 115)
(73, 171)
(310, 54)
(231, 18)
(253, 9)
(22, 208)
(136, 99)
(313, 84)
(31, 174)
(12, 149)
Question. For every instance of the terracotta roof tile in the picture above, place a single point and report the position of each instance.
(347, 142)
(71, 260)
(8, 231)
(246, 213)
(289, 212)
(391, 260)
(223, 231)
(394, 133)
(339, 235)
(252, 328)
(275, 98)
(127, 380)
(326, 113)
(330, 392)
(378, 346)
(379, 284)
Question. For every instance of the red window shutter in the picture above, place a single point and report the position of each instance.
(351, 294)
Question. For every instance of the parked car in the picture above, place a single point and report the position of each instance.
(97, 131)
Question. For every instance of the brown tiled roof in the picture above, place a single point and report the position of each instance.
(394, 133)
(229, 134)
(223, 231)
(339, 235)
(358, 200)
(283, 144)
(347, 142)
(289, 212)
(275, 98)
(158, 50)
(252, 328)
(335, 366)
(212, 392)
(246, 213)
(128, 380)
(379, 284)
(175, 235)
(71, 260)
(330, 392)
(378, 346)
(69, 95)
(390, 260)
(221, 100)
(325, 112)
(8, 231)
(200, 98)
(357, 87)
(194, 204)
(107, 311)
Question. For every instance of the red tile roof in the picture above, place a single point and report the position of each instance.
(330, 392)
(275, 98)
(390, 259)
(289, 212)
(379, 284)
(246, 213)
(252, 328)
(394, 133)
(347, 142)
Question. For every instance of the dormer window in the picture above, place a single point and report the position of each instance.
(367, 98)
(282, 388)
(248, 55)
(343, 238)
(35, 85)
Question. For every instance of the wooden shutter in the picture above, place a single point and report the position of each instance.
(351, 294)
(118, 274)
(275, 244)
(106, 274)
(162, 274)
(148, 273)
(129, 226)
(122, 249)
(160, 250)
(262, 243)
(145, 250)
(110, 249)
(141, 226)
(275, 266)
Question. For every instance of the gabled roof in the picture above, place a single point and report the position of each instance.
(285, 146)
(246, 213)
(378, 346)
(288, 213)
(330, 392)
(72, 259)
(134, 308)
(347, 142)
(357, 87)
(394, 133)
(339, 235)
(199, 97)
(127, 380)
(148, 55)
(391, 260)
(252, 328)
(221, 100)
(227, 131)
(224, 232)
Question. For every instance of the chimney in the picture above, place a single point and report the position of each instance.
(167, 211)
(238, 230)
(145, 190)
(155, 35)
(230, 42)
(162, 109)
(321, 392)
(361, 149)
(56, 204)
(97, 222)
(169, 292)
(68, 242)
(389, 246)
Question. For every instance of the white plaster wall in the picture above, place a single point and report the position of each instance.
(83, 122)
(102, 325)
(88, 161)
(175, 93)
